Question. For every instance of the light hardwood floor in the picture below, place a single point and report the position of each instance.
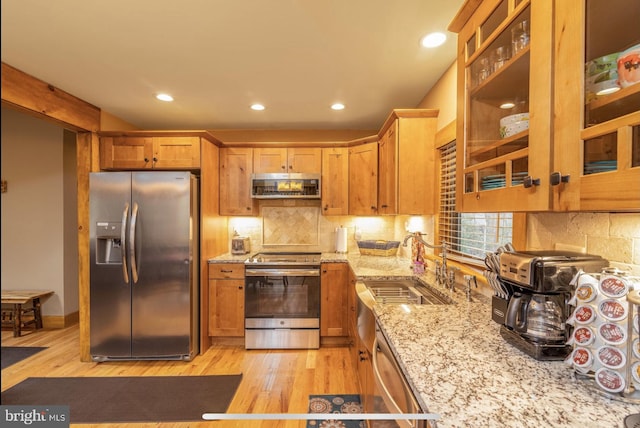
(274, 381)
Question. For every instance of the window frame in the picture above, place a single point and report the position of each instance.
(444, 136)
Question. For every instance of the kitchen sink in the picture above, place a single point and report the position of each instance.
(405, 291)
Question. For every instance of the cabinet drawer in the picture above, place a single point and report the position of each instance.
(226, 270)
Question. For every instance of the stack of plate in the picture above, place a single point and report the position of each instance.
(512, 124)
(518, 178)
(499, 180)
(600, 166)
(601, 76)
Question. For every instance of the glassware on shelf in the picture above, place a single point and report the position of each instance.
(499, 57)
(520, 36)
(484, 70)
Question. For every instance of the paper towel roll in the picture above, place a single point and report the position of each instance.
(341, 239)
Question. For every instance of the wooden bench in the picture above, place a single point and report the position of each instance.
(13, 315)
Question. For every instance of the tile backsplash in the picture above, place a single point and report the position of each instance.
(290, 225)
(614, 236)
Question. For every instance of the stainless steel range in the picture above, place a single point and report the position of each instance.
(282, 301)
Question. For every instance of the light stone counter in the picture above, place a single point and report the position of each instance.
(229, 258)
(460, 368)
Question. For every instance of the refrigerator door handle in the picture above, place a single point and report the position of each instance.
(132, 242)
(123, 239)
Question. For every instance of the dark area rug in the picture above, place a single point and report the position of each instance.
(335, 404)
(128, 399)
(12, 354)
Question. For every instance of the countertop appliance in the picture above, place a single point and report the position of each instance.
(240, 245)
(285, 186)
(282, 301)
(538, 285)
(144, 265)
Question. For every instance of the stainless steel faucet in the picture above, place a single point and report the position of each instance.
(443, 273)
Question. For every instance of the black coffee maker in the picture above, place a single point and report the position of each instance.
(536, 307)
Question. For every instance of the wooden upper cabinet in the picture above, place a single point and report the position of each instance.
(335, 181)
(581, 150)
(269, 160)
(416, 185)
(176, 152)
(388, 171)
(133, 153)
(363, 179)
(601, 130)
(503, 166)
(406, 162)
(126, 152)
(236, 167)
(289, 160)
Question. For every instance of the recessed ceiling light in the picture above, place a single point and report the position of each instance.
(433, 40)
(337, 106)
(507, 105)
(257, 107)
(164, 97)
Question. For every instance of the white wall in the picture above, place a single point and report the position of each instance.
(39, 238)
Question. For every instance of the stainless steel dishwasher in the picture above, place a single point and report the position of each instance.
(390, 392)
(395, 395)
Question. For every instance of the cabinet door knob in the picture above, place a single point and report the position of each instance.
(146, 160)
(155, 159)
(240, 287)
(530, 181)
(557, 178)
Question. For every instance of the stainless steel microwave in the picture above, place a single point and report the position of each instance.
(284, 186)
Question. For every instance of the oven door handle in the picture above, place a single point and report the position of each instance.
(282, 272)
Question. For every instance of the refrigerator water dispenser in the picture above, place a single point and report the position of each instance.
(108, 243)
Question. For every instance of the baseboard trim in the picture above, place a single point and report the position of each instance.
(60, 321)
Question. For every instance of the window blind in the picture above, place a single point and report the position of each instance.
(469, 235)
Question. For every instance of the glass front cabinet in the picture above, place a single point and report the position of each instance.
(540, 126)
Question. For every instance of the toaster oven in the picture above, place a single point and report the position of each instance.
(240, 245)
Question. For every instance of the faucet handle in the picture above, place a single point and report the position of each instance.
(469, 278)
(450, 277)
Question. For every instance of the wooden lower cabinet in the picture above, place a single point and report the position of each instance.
(334, 278)
(365, 377)
(226, 299)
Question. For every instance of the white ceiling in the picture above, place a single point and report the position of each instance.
(217, 57)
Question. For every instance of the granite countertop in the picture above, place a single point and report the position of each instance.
(459, 366)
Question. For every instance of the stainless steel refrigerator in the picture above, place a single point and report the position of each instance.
(144, 265)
